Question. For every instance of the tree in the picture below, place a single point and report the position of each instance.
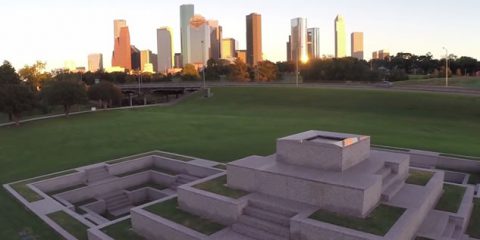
(239, 71)
(267, 71)
(8, 74)
(15, 97)
(106, 93)
(65, 93)
(190, 73)
(35, 74)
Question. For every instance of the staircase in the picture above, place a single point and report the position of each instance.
(264, 221)
(453, 231)
(392, 183)
(97, 174)
(118, 204)
(182, 179)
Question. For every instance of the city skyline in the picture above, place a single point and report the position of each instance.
(394, 32)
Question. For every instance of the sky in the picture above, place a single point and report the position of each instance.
(56, 31)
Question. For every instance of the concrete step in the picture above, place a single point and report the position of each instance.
(448, 232)
(121, 211)
(255, 233)
(384, 172)
(392, 190)
(270, 207)
(118, 204)
(189, 178)
(457, 233)
(265, 225)
(267, 216)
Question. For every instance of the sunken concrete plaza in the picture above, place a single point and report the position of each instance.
(318, 185)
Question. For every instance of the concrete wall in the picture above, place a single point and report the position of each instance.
(322, 156)
(184, 167)
(106, 187)
(131, 165)
(411, 220)
(347, 200)
(215, 207)
(455, 177)
(303, 228)
(62, 182)
(145, 194)
(155, 227)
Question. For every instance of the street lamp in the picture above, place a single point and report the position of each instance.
(203, 65)
(446, 66)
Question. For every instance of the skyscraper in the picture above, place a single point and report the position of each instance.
(357, 45)
(242, 55)
(165, 49)
(313, 43)
(147, 59)
(340, 37)
(299, 40)
(289, 49)
(178, 60)
(122, 52)
(254, 39)
(215, 39)
(95, 62)
(186, 13)
(135, 58)
(229, 46)
(199, 33)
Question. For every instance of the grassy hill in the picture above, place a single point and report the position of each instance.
(236, 122)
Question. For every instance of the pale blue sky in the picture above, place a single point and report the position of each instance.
(60, 30)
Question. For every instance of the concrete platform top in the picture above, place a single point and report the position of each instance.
(360, 177)
(323, 150)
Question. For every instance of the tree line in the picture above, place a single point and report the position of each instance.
(33, 88)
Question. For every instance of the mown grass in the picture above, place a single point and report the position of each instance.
(70, 224)
(418, 177)
(122, 231)
(451, 198)
(219, 186)
(378, 222)
(235, 123)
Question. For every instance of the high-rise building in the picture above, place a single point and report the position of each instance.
(289, 49)
(383, 54)
(199, 33)
(242, 55)
(313, 43)
(122, 52)
(254, 39)
(340, 37)
(147, 58)
(299, 40)
(186, 13)
(178, 60)
(215, 39)
(165, 58)
(95, 62)
(357, 45)
(135, 58)
(229, 47)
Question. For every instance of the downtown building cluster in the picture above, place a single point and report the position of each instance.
(200, 40)
(304, 43)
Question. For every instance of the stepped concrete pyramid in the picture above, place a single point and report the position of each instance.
(311, 172)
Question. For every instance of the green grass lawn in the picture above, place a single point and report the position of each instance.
(169, 210)
(473, 227)
(451, 198)
(122, 231)
(219, 186)
(467, 82)
(235, 123)
(378, 222)
(70, 224)
(418, 177)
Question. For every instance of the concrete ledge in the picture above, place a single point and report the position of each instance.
(155, 227)
(212, 206)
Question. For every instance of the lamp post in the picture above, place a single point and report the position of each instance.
(203, 65)
(446, 66)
